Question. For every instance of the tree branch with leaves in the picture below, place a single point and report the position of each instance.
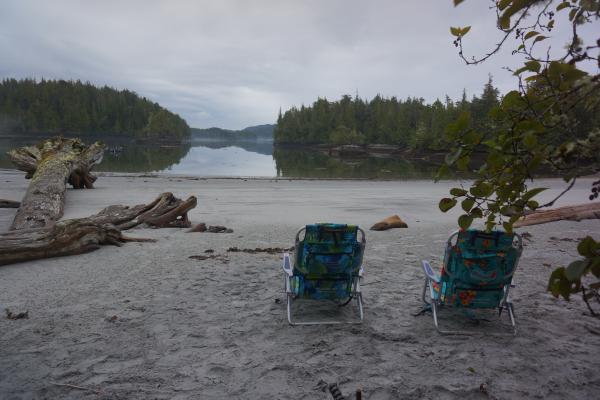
(544, 124)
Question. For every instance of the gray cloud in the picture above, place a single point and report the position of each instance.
(234, 63)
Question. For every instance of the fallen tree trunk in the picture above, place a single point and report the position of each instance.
(569, 213)
(9, 203)
(82, 235)
(50, 165)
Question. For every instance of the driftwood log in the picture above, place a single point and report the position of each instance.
(9, 203)
(51, 165)
(76, 236)
(570, 213)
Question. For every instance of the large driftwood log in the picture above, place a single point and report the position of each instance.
(570, 213)
(50, 165)
(82, 235)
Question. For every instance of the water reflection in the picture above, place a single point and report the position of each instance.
(230, 159)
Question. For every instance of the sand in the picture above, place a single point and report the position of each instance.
(144, 321)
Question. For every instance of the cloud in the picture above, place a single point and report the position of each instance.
(234, 63)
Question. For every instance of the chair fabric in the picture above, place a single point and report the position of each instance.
(327, 261)
(476, 269)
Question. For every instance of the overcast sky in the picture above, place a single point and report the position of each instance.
(234, 63)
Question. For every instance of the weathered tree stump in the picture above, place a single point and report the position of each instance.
(50, 165)
(82, 235)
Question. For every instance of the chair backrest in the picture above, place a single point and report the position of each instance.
(327, 259)
(478, 266)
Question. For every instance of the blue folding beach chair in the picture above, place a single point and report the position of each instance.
(477, 273)
(327, 265)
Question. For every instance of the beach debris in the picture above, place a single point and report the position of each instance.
(81, 235)
(483, 388)
(9, 203)
(112, 319)
(219, 257)
(68, 385)
(269, 250)
(21, 315)
(335, 391)
(51, 165)
(209, 251)
(219, 229)
(201, 227)
(393, 221)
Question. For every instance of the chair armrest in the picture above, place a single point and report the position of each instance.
(429, 272)
(287, 265)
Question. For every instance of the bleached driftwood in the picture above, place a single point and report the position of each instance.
(570, 213)
(82, 235)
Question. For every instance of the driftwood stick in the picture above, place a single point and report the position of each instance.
(570, 213)
(9, 203)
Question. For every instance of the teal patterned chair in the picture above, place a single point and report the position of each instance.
(477, 273)
(326, 265)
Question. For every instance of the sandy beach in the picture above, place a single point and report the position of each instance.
(144, 321)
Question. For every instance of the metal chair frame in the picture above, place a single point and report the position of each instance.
(437, 304)
(355, 293)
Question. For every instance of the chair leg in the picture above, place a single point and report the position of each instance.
(289, 309)
(360, 305)
(511, 314)
(423, 296)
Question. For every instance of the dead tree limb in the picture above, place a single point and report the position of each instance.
(9, 203)
(569, 213)
(76, 236)
(51, 165)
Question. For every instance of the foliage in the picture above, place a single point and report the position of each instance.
(60, 106)
(551, 120)
(409, 123)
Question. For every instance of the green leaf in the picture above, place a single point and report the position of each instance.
(530, 34)
(455, 31)
(467, 204)
(575, 270)
(562, 5)
(508, 227)
(587, 247)
(458, 192)
(532, 204)
(533, 66)
(465, 221)
(457, 2)
(503, 4)
(452, 157)
(465, 30)
(540, 38)
(532, 193)
(477, 213)
(446, 204)
(530, 140)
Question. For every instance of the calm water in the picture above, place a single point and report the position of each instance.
(229, 159)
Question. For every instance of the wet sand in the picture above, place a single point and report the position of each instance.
(144, 321)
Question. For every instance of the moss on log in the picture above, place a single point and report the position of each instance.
(51, 165)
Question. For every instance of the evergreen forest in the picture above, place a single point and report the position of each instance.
(410, 124)
(74, 107)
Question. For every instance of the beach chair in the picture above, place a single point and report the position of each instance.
(476, 274)
(326, 265)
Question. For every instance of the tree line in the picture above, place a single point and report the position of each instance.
(74, 107)
(410, 123)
